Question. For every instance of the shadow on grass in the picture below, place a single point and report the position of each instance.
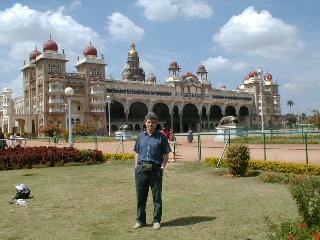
(185, 221)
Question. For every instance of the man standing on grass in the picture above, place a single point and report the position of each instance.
(152, 150)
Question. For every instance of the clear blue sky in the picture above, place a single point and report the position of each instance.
(229, 37)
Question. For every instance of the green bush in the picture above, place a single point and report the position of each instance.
(285, 178)
(212, 161)
(237, 157)
(283, 167)
(279, 167)
(291, 230)
(118, 156)
(84, 129)
(49, 129)
(307, 196)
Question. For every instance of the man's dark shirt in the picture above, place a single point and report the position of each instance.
(151, 148)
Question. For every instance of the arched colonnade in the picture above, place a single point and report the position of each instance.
(179, 117)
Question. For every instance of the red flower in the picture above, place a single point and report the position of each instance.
(291, 236)
(316, 235)
(303, 225)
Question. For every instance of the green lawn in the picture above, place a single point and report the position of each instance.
(98, 202)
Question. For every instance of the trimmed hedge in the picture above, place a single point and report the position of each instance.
(118, 156)
(28, 157)
(280, 167)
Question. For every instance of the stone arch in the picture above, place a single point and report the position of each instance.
(230, 111)
(204, 115)
(137, 112)
(215, 113)
(243, 113)
(116, 111)
(137, 127)
(176, 119)
(190, 117)
(162, 111)
(114, 127)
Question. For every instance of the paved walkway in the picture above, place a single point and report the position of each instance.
(209, 148)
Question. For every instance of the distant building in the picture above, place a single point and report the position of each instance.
(184, 101)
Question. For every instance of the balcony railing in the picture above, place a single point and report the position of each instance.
(56, 110)
(56, 100)
(56, 90)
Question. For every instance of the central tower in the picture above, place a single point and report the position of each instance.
(132, 71)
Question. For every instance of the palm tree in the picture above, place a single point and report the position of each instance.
(290, 103)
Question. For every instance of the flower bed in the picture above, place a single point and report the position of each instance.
(28, 157)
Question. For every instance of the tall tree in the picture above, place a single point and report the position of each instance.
(290, 103)
(315, 118)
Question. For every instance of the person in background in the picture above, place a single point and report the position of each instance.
(3, 142)
(172, 143)
(18, 140)
(190, 136)
(152, 150)
(165, 132)
(11, 140)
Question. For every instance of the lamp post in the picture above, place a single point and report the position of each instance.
(69, 93)
(66, 110)
(108, 101)
(36, 111)
(260, 72)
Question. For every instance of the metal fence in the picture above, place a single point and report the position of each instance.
(288, 146)
(284, 146)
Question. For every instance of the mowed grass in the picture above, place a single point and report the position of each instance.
(98, 202)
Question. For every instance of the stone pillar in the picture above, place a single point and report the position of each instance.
(171, 120)
(200, 119)
(127, 116)
(180, 120)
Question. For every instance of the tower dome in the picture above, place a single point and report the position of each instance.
(50, 46)
(252, 74)
(133, 52)
(174, 64)
(201, 68)
(33, 55)
(269, 76)
(90, 51)
(188, 74)
(152, 78)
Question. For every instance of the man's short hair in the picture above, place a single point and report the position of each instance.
(151, 116)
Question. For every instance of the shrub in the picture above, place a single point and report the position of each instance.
(279, 167)
(118, 156)
(285, 178)
(16, 158)
(282, 167)
(212, 161)
(84, 129)
(291, 230)
(49, 130)
(237, 158)
(307, 196)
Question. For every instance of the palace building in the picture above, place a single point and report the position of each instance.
(183, 101)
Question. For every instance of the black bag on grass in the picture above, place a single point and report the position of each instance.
(23, 192)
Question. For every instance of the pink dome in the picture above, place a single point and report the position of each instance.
(33, 55)
(174, 64)
(90, 50)
(202, 68)
(252, 74)
(188, 74)
(50, 45)
(269, 76)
